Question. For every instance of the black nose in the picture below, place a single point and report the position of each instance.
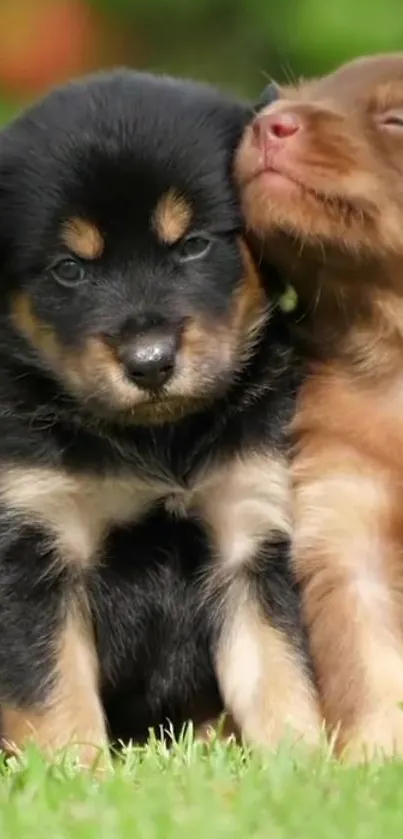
(149, 358)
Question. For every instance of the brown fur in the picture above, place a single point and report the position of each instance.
(83, 238)
(333, 219)
(73, 714)
(349, 556)
(172, 217)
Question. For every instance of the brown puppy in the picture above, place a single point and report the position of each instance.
(321, 171)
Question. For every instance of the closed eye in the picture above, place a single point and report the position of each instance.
(392, 119)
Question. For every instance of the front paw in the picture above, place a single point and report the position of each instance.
(378, 737)
(95, 759)
(222, 728)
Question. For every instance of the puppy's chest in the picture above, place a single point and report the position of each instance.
(241, 501)
(77, 510)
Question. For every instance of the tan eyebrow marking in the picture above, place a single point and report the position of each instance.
(83, 238)
(171, 217)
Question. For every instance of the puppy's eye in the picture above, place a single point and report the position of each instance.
(195, 246)
(68, 272)
(393, 119)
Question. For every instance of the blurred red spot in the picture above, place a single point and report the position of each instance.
(43, 42)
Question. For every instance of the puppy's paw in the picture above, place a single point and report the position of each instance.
(379, 737)
(300, 724)
(221, 728)
(95, 759)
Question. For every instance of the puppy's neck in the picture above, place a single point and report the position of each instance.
(352, 305)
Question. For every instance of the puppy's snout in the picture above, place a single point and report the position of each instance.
(149, 358)
(269, 129)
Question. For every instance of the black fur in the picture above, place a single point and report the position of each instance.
(106, 150)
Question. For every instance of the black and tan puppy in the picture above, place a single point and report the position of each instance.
(139, 369)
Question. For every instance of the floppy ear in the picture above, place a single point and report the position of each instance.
(6, 213)
(18, 223)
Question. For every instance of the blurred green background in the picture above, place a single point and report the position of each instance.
(236, 43)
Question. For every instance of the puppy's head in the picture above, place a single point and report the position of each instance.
(120, 243)
(323, 161)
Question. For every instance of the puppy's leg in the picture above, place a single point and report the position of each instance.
(263, 671)
(260, 658)
(71, 714)
(348, 545)
(48, 664)
(222, 727)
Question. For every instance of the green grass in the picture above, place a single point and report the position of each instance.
(201, 792)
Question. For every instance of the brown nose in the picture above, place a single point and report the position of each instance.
(273, 127)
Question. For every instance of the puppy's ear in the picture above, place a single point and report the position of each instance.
(6, 212)
(270, 94)
(18, 212)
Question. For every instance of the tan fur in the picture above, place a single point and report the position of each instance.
(244, 502)
(262, 678)
(263, 682)
(73, 713)
(222, 727)
(221, 344)
(92, 370)
(251, 300)
(336, 227)
(77, 510)
(172, 217)
(41, 335)
(85, 369)
(83, 238)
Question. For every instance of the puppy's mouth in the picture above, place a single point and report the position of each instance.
(129, 405)
(280, 180)
(165, 410)
(155, 409)
(269, 172)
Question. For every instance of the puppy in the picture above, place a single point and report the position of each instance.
(322, 183)
(142, 368)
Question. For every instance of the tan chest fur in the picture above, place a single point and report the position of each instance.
(241, 501)
(76, 510)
